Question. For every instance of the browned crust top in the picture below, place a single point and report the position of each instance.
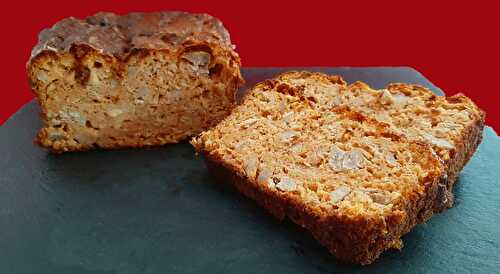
(118, 36)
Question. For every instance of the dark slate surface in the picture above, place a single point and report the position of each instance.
(158, 211)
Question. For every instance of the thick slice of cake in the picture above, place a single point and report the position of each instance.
(453, 125)
(131, 81)
(356, 185)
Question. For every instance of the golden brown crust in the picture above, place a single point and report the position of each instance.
(334, 79)
(120, 36)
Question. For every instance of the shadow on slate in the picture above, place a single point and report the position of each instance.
(158, 211)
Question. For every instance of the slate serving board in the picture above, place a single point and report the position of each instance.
(158, 211)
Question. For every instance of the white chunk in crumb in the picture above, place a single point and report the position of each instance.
(336, 158)
(353, 159)
(264, 175)
(114, 112)
(297, 148)
(463, 116)
(56, 135)
(342, 160)
(442, 143)
(286, 184)
(386, 97)
(380, 198)
(248, 122)
(270, 183)
(42, 76)
(391, 160)
(339, 194)
(241, 144)
(288, 117)
(441, 132)
(73, 116)
(295, 125)
(449, 125)
(197, 58)
(400, 99)
(250, 165)
(288, 135)
(443, 129)
(142, 92)
(55, 122)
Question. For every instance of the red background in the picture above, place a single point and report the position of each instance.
(455, 45)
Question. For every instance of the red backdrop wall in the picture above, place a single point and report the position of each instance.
(455, 45)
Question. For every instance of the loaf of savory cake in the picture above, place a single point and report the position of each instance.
(142, 79)
(453, 125)
(352, 181)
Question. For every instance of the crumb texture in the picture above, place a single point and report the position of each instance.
(131, 81)
(451, 125)
(355, 183)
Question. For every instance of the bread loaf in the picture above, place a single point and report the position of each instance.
(352, 181)
(137, 80)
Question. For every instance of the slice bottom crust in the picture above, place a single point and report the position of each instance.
(358, 241)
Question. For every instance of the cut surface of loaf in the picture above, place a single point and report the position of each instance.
(141, 79)
(356, 185)
(452, 125)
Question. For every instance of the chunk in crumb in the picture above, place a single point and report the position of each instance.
(386, 97)
(249, 122)
(250, 166)
(380, 198)
(400, 99)
(341, 160)
(113, 112)
(286, 184)
(264, 175)
(288, 135)
(437, 141)
(339, 194)
(391, 160)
